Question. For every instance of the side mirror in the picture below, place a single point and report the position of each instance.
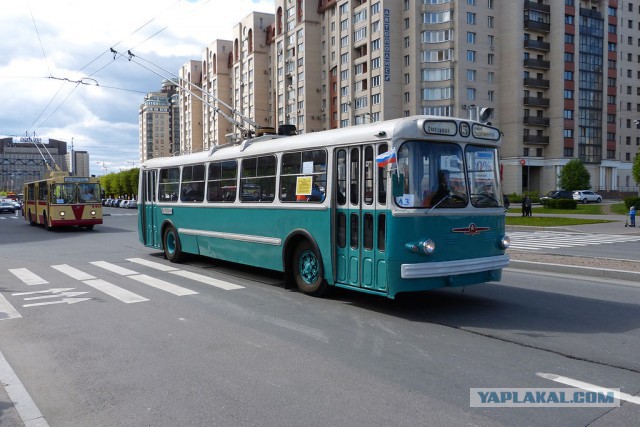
(397, 184)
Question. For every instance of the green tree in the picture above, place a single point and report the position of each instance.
(635, 169)
(574, 176)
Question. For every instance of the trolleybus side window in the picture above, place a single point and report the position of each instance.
(303, 176)
(368, 175)
(222, 183)
(169, 184)
(341, 179)
(192, 183)
(382, 178)
(43, 191)
(258, 179)
(354, 176)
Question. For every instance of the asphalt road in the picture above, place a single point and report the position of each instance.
(257, 354)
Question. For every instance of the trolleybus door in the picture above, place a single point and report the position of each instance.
(358, 255)
(147, 208)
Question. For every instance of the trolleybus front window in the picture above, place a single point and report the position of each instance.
(484, 180)
(433, 175)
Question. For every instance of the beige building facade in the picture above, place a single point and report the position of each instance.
(559, 78)
(158, 121)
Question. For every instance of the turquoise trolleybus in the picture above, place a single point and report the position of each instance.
(364, 207)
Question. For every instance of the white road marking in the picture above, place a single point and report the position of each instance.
(22, 401)
(46, 291)
(62, 301)
(147, 280)
(27, 276)
(589, 387)
(162, 285)
(7, 311)
(152, 264)
(114, 268)
(207, 280)
(533, 241)
(114, 291)
(73, 272)
(61, 294)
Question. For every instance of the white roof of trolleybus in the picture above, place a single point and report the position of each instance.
(402, 128)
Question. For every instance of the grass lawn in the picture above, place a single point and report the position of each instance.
(588, 209)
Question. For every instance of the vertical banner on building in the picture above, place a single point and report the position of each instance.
(387, 45)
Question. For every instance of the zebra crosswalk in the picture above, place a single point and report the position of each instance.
(104, 277)
(539, 240)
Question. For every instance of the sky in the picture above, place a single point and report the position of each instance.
(60, 80)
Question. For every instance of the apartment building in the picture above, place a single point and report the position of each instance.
(217, 60)
(190, 110)
(159, 122)
(559, 78)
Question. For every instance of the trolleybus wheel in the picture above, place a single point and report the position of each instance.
(46, 221)
(171, 244)
(307, 270)
(89, 227)
(32, 221)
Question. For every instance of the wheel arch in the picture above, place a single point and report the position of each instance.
(293, 239)
(166, 224)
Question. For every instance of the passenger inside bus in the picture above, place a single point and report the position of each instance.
(443, 189)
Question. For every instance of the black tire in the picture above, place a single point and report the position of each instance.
(599, 200)
(171, 245)
(89, 227)
(46, 221)
(307, 270)
(585, 201)
(32, 221)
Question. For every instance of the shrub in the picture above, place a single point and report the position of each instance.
(560, 204)
(632, 201)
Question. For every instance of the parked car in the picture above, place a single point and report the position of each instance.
(7, 207)
(586, 196)
(557, 194)
(133, 204)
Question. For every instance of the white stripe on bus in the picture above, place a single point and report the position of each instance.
(232, 236)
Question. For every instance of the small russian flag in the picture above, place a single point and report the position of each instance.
(386, 158)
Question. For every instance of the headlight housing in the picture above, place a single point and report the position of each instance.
(505, 242)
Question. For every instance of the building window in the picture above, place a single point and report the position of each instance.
(471, 56)
(471, 18)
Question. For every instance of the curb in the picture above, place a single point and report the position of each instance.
(574, 269)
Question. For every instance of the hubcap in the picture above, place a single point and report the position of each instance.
(308, 267)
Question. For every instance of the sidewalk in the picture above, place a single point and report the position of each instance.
(605, 268)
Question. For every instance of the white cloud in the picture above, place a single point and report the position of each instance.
(75, 37)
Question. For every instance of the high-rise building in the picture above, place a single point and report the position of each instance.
(560, 79)
(159, 122)
(190, 111)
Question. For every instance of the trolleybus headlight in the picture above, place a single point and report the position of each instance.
(428, 246)
(505, 242)
(93, 212)
(61, 213)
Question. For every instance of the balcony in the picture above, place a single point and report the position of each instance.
(540, 64)
(543, 83)
(536, 121)
(535, 139)
(531, 5)
(535, 101)
(530, 24)
(537, 45)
